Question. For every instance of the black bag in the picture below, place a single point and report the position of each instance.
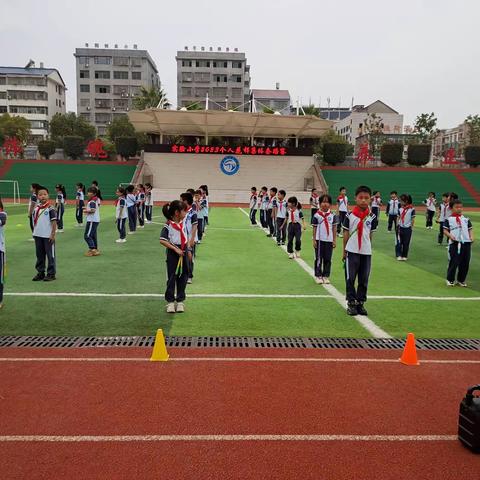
(469, 420)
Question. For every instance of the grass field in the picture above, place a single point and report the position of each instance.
(234, 259)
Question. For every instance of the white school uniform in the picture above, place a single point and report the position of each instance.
(431, 204)
(281, 208)
(42, 221)
(253, 202)
(295, 216)
(3, 221)
(342, 204)
(121, 209)
(459, 231)
(408, 217)
(95, 216)
(319, 222)
(351, 223)
(393, 206)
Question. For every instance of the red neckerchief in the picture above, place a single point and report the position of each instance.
(270, 200)
(457, 217)
(405, 208)
(280, 203)
(179, 228)
(341, 199)
(325, 220)
(292, 216)
(38, 210)
(117, 201)
(430, 201)
(254, 195)
(362, 215)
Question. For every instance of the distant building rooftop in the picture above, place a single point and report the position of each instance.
(37, 72)
(276, 94)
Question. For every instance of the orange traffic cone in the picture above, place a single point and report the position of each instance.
(409, 355)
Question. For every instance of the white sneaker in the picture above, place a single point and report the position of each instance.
(291, 255)
(190, 281)
(399, 259)
(148, 221)
(119, 240)
(450, 284)
(340, 235)
(404, 259)
(131, 233)
(124, 240)
(326, 280)
(319, 280)
(31, 239)
(297, 254)
(180, 307)
(462, 284)
(170, 308)
(60, 230)
(141, 226)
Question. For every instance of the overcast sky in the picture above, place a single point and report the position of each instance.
(415, 55)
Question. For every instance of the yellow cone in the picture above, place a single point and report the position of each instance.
(159, 353)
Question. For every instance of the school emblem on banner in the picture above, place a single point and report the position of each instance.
(229, 165)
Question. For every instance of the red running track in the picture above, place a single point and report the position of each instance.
(198, 397)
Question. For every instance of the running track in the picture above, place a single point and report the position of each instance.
(122, 394)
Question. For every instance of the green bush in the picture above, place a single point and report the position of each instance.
(126, 146)
(73, 146)
(46, 148)
(334, 153)
(109, 147)
(419, 154)
(391, 153)
(472, 155)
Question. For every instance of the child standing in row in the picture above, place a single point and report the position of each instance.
(296, 223)
(121, 214)
(3, 221)
(79, 203)
(314, 204)
(148, 202)
(44, 229)
(32, 203)
(262, 204)
(131, 209)
(280, 213)
(376, 205)
(174, 238)
(392, 211)
(93, 219)
(141, 205)
(459, 231)
(60, 205)
(442, 215)
(357, 251)
(342, 209)
(271, 207)
(253, 205)
(200, 218)
(431, 204)
(191, 225)
(406, 222)
(324, 239)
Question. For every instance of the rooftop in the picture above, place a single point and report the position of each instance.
(274, 93)
(36, 72)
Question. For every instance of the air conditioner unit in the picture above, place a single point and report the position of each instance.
(113, 108)
(88, 108)
(87, 65)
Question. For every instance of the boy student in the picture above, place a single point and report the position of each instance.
(131, 209)
(431, 204)
(148, 202)
(342, 209)
(459, 231)
(314, 204)
(357, 251)
(271, 206)
(280, 214)
(442, 215)
(296, 224)
(253, 205)
(376, 205)
(121, 214)
(197, 198)
(263, 202)
(324, 239)
(392, 211)
(93, 219)
(191, 223)
(44, 229)
(406, 222)
(99, 193)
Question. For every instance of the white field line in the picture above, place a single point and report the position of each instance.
(227, 438)
(364, 321)
(227, 360)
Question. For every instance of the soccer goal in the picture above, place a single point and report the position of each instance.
(10, 189)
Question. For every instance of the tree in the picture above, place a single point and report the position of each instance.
(267, 110)
(126, 146)
(391, 153)
(330, 136)
(472, 155)
(419, 154)
(73, 146)
(334, 153)
(46, 148)
(473, 127)
(70, 124)
(153, 97)
(310, 110)
(425, 127)
(120, 127)
(374, 130)
(14, 127)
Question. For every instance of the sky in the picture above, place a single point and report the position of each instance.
(415, 55)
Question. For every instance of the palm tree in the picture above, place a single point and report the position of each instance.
(310, 110)
(152, 97)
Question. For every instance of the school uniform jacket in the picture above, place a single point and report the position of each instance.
(405, 217)
(323, 233)
(42, 221)
(282, 209)
(3, 221)
(459, 228)
(393, 207)
(121, 208)
(351, 223)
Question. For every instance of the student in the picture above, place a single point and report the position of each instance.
(324, 239)
(206, 205)
(197, 199)
(93, 219)
(431, 204)
(32, 203)
(459, 231)
(280, 214)
(99, 193)
(406, 222)
(141, 205)
(442, 214)
(253, 205)
(79, 203)
(174, 238)
(392, 211)
(3, 221)
(262, 204)
(314, 204)
(148, 202)
(60, 205)
(342, 209)
(271, 207)
(131, 209)
(44, 229)
(296, 223)
(376, 203)
(121, 214)
(191, 225)
(357, 251)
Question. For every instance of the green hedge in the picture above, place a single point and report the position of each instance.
(46, 148)
(419, 154)
(126, 146)
(472, 155)
(73, 146)
(391, 153)
(334, 153)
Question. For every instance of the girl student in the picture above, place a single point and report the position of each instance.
(431, 203)
(206, 198)
(262, 206)
(92, 211)
(121, 214)
(314, 205)
(60, 205)
(178, 255)
(406, 222)
(141, 205)
(296, 224)
(3, 221)
(131, 209)
(324, 239)
(148, 203)
(79, 203)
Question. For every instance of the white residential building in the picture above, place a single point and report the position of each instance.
(34, 93)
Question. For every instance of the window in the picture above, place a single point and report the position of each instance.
(187, 77)
(26, 95)
(85, 88)
(85, 116)
(30, 110)
(202, 77)
(197, 63)
(83, 60)
(120, 75)
(219, 92)
(102, 131)
(186, 91)
(38, 124)
(186, 63)
(3, 95)
(236, 64)
(120, 61)
(120, 90)
(102, 89)
(120, 104)
(237, 92)
(220, 78)
(136, 75)
(225, 64)
(102, 103)
(201, 92)
(102, 60)
(137, 62)
(3, 109)
(214, 64)
(3, 80)
(56, 89)
(237, 78)
(84, 102)
(103, 117)
(102, 74)
(135, 90)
